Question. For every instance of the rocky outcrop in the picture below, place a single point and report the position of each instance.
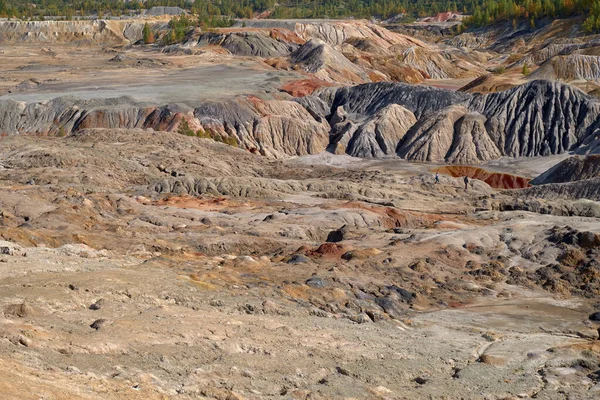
(257, 44)
(569, 68)
(452, 135)
(539, 118)
(371, 120)
(570, 170)
(440, 64)
(324, 62)
(375, 137)
(335, 33)
(583, 189)
(369, 99)
(536, 119)
(96, 32)
(274, 128)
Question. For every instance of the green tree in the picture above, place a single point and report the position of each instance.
(147, 34)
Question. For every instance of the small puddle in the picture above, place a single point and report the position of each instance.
(496, 180)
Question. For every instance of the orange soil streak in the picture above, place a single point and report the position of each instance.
(215, 203)
(496, 180)
(304, 87)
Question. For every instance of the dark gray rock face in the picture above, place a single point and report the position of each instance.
(248, 44)
(539, 118)
(571, 169)
(370, 98)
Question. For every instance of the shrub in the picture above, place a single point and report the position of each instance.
(184, 128)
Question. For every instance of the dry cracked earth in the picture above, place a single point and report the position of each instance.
(137, 263)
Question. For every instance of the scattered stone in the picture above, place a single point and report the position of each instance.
(420, 380)
(248, 309)
(492, 360)
(595, 316)
(99, 323)
(11, 249)
(269, 307)
(360, 318)
(338, 235)
(361, 254)
(97, 305)
(317, 312)
(375, 316)
(21, 340)
(315, 282)
(22, 310)
(216, 303)
(298, 259)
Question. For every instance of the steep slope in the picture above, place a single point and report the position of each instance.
(569, 68)
(324, 62)
(375, 137)
(336, 32)
(537, 119)
(570, 170)
(97, 32)
(452, 135)
(368, 99)
(258, 44)
(370, 120)
(275, 128)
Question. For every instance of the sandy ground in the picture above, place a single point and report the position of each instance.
(111, 289)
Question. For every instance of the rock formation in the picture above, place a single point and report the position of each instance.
(371, 120)
(538, 118)
(97, 32)
(452, 135)
(324, 62)
(375, 137)
(569, 68)
(257, 44)
(570, 170)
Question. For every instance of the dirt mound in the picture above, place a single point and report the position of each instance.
(489, 83)
(571, 169)
(582, 189)
(248, 43)
(323, 61)
(569, 68)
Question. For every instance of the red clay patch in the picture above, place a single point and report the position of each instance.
(304, 87)
(496, 180)
(329, 250)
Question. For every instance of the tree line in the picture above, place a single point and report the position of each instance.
(214, 13)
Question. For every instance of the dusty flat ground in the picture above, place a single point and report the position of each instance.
(323, 277)
(36, 73)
